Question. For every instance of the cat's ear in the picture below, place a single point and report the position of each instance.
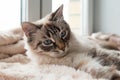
(29, 28)
(58, 14)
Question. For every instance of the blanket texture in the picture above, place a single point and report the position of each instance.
(19, 67)
(14, 64)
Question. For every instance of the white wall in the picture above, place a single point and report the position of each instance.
(107, 16)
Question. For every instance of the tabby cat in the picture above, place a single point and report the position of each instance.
(51, 41)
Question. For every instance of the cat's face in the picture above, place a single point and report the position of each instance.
(49, 38)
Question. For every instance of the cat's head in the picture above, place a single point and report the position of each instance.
(50, 37)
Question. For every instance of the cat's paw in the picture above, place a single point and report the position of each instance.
(116, 76)
(116, 54)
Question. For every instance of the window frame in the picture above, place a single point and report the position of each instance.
(30, 10)
(86, 17)
(86, 20)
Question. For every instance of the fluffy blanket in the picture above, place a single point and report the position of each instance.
(14, 64)
(19, 67)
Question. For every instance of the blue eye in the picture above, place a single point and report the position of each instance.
(47, 42)
(63, 34)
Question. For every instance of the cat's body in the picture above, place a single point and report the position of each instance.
(50, 41)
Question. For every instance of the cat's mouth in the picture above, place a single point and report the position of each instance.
(59, 54)
(55, 54)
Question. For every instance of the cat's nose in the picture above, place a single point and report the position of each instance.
(61, 46)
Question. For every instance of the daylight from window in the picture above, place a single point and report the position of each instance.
(71, 12)
(10, 14)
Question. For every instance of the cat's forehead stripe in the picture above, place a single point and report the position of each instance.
(52, 39)
(51, 28)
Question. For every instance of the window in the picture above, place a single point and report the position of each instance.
(74, 14)
(13, 12)
(71, 12)
(10, 14)
(31, 10)
(78, 13)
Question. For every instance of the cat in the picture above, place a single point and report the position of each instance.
(51, 41)
(109, 41)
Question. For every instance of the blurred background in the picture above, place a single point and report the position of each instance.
(83, 16)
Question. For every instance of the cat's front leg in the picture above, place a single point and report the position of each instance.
(111, 52)
(94, 68)
(108, 57)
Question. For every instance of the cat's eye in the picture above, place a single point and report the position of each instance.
(63, 34)
(47, 42)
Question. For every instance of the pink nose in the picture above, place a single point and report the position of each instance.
(61, 46)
